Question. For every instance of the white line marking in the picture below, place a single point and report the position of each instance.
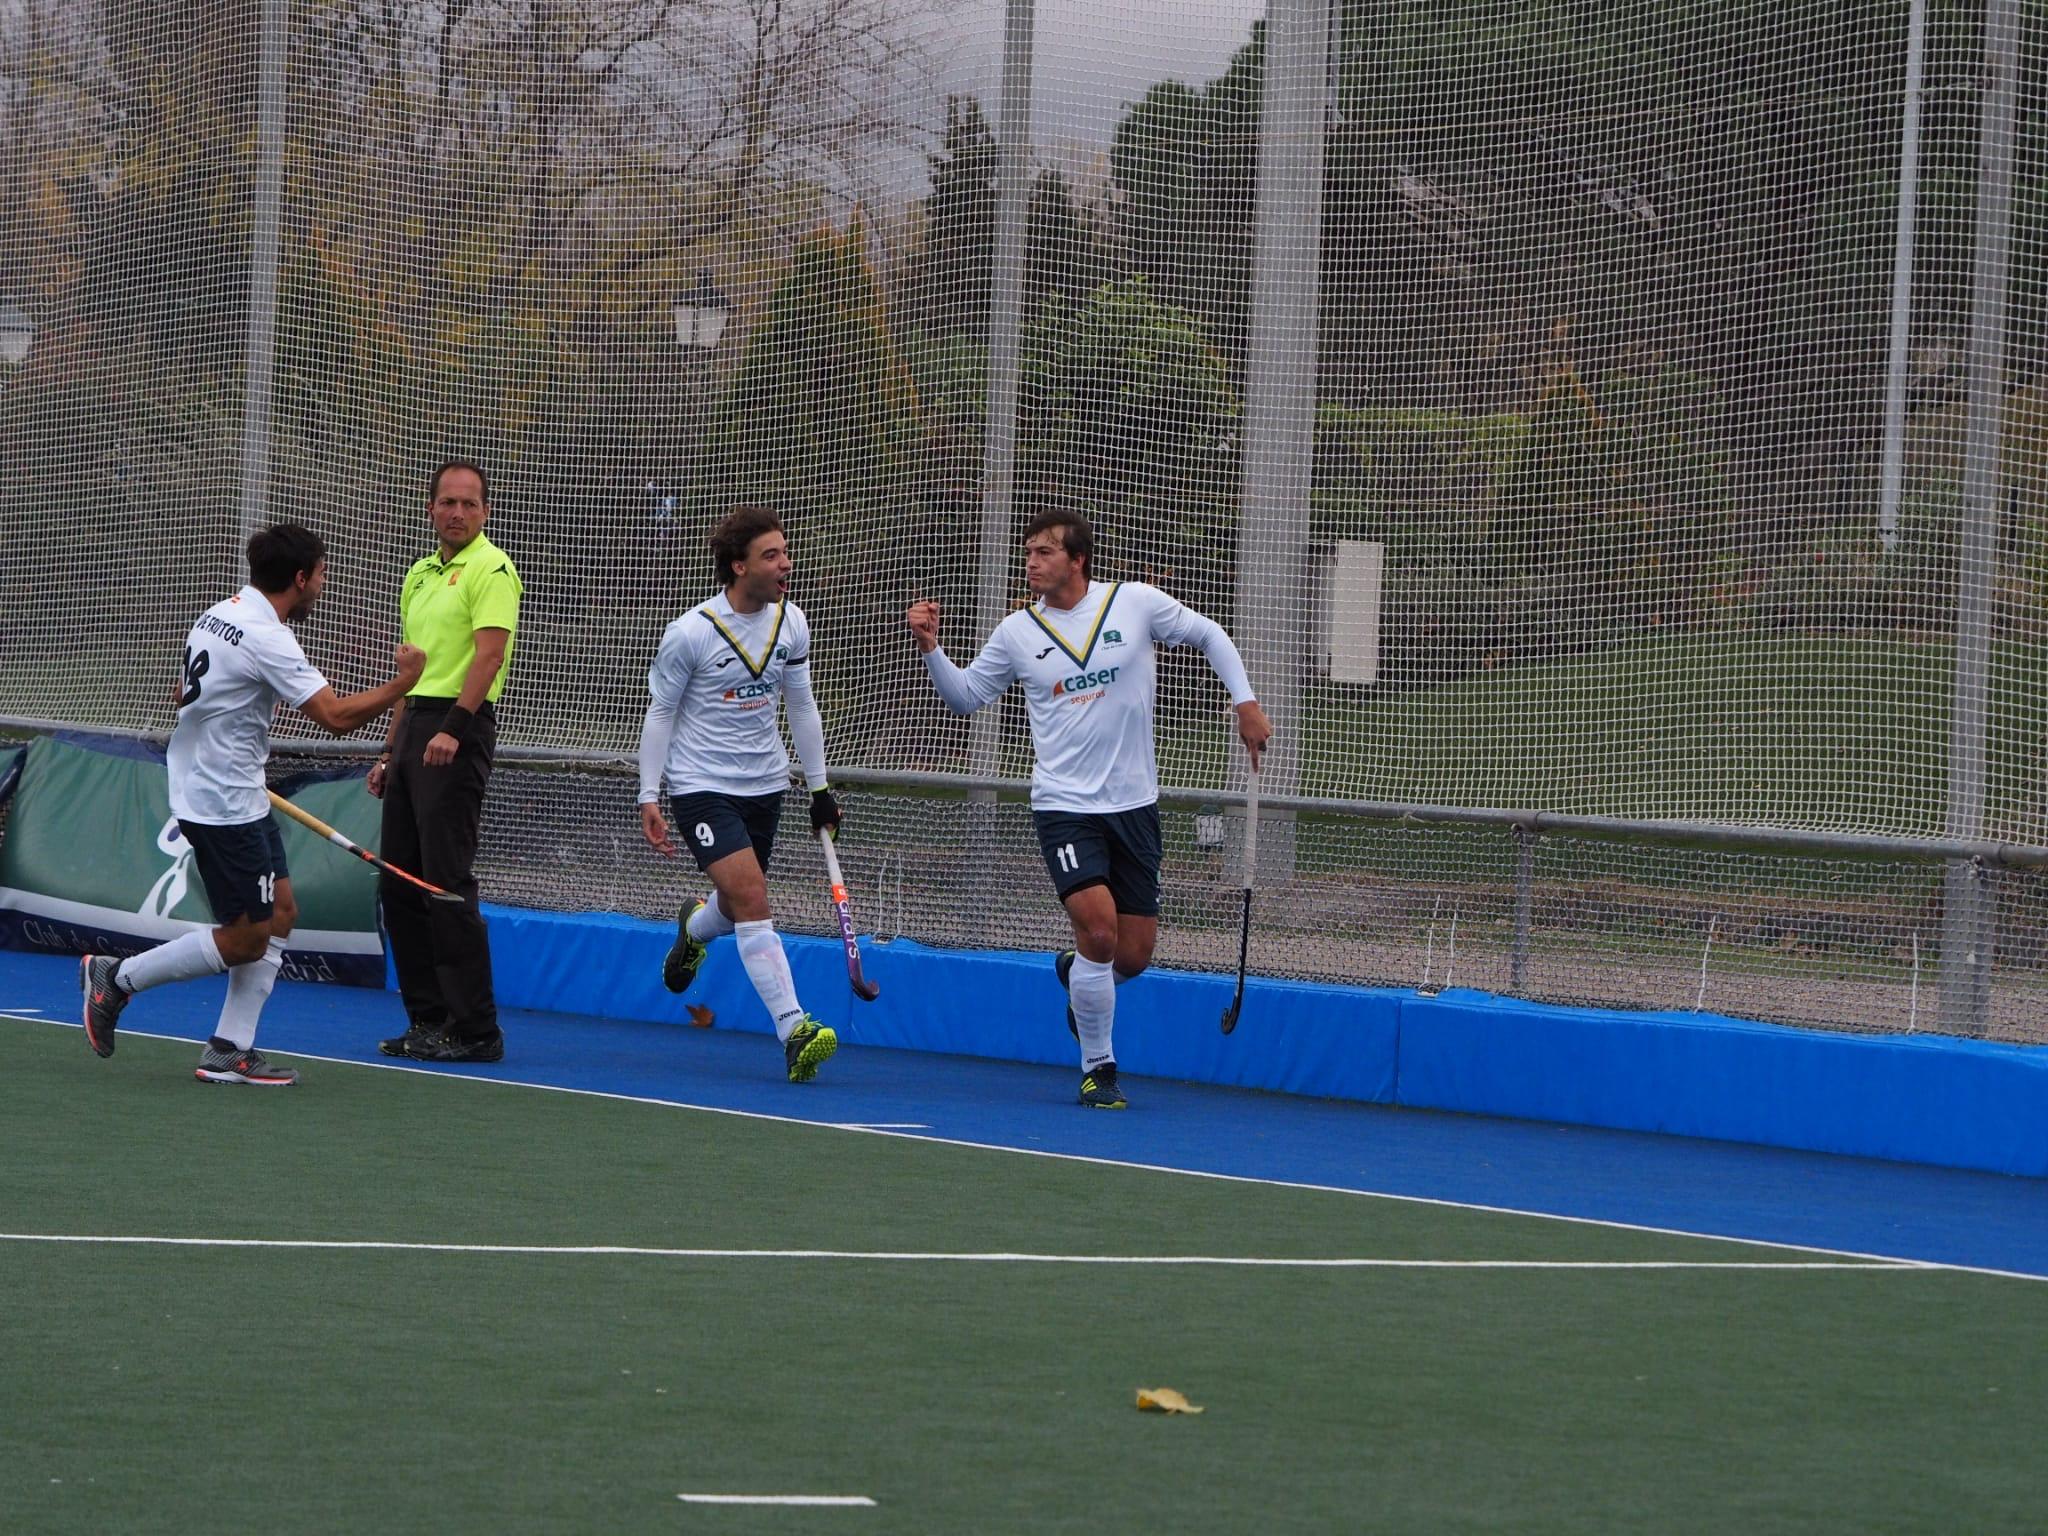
(11, 1011)
(880, 1125)
(1172, 1260)
(834, 1500)
(1111, 1162)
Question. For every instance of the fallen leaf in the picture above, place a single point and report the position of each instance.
(700, 1016)
(1164, 1400)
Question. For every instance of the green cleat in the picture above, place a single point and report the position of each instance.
(808, 1047)
(679, 969)
(1099, 1089)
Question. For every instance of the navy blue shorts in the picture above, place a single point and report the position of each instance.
(1119, 849)
(716, 826)
(239, 866)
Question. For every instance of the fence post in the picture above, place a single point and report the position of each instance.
(1525, 880)
(1966, 918)
(1892, 480)
(997, 559)
(1280, 389)
(265, 221)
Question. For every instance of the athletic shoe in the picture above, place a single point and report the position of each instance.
(1099, 1089)
(415, 1034)
(442, 1046)
(808, 1047)
(686, 954)
(1064, 964)
(104, 1000)
(239, 1066)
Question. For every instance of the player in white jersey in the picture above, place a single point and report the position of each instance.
(240, 660)
(1085, 653)
(713, 733)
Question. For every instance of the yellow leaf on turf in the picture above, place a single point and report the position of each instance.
(1164, 1400)
(700, 1016)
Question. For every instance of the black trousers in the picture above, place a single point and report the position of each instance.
(432, 819)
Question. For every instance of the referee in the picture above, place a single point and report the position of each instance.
(461, 606)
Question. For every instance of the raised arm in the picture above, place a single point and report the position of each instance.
(965, 689)
(341, 714)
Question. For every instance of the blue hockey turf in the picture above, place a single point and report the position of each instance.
(1891, 1209)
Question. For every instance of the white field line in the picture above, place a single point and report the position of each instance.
(811, 1500)
(879, 1125)
(1112, 1162)
(883, 1256)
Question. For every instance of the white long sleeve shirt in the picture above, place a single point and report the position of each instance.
(714, 692)
(1090, 674)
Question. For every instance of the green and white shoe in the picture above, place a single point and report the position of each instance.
(809, 1046)
(679, 969)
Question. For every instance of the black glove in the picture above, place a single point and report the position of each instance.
(824, 813)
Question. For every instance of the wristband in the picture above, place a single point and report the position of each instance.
(456, 723)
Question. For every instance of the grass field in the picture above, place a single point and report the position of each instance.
(1798, 730)
(155, 1387)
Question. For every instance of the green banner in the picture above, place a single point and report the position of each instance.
(93, 861)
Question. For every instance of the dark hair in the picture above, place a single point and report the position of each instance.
(434, 481)
(1075, 534)
(731, 539)
(278, 553)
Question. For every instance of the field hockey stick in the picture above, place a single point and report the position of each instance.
(867, 991)
(314, 824)
(1251, 864)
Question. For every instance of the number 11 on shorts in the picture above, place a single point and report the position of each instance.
(1069, 860)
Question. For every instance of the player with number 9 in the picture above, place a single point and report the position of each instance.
(713, 735)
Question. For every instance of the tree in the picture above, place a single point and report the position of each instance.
(946, 285)
(1128, 414)
(820, 421)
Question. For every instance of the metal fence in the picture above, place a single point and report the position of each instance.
(1624, 415)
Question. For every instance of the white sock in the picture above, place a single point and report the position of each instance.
(708, 922)
(768, 968)
(181, 959)
(248, 990)
(1093, 994)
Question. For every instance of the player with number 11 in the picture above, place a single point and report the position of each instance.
(1085, 654)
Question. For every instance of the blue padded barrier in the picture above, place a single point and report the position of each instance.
(1927, 1099)
(1922, 1099)
(1339, 1042)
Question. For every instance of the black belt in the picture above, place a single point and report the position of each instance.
(426, 704)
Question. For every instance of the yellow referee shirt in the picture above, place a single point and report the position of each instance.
(445, 602)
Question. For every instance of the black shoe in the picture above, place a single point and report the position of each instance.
(679, 967)
(446, 1047)
(415, 1034)
(1064, 964)
(104, 1000)
(1099, 1089)
(249, 1066)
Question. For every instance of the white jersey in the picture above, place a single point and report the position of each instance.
(240, 659)
(716, 686)
(1089, 676)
